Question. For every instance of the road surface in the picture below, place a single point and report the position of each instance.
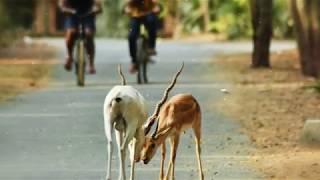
(57, 133)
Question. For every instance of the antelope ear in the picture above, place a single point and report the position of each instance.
(161, 134)
(147, 128)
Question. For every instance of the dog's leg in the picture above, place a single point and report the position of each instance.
(130, 132)
(139, 137)
(122, 155)
(132, 148)
(110, 149)
(108, 132)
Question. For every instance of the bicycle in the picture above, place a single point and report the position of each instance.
(80, 55)
(142, 57)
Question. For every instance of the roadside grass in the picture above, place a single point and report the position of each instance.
(16, 79)
(24, 68)
(272, 106)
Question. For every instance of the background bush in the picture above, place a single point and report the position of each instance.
(230, 18)
(16, 17)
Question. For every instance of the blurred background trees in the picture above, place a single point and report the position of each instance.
(112, 23)
(306, 16)
(16, 16)
(227, 20)
(19, 12)
(261, 19)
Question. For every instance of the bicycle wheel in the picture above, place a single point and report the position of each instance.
(80, 63)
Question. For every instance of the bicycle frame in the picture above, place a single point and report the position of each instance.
(81, 54)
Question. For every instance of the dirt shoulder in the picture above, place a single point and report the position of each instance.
(272, 106)
(24, 68)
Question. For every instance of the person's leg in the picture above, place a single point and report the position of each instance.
(150, 22)
(134, 31)
(90, 46)
(70, 37)
(89, 32)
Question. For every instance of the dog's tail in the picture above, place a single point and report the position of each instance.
(123, 79)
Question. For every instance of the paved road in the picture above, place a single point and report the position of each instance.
(57, 133)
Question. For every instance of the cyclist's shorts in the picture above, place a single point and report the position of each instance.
(73, 22)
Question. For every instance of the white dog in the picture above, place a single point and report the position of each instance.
(125, 111)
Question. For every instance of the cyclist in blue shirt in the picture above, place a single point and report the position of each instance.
(142, 12)
(73, 9)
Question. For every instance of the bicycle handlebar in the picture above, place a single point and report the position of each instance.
(90, 13)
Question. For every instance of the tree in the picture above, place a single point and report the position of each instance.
(114, 22)
(306, 15)
(20, 12)
(206, 15)
(172, 17)
(3, 17)
(261, 12)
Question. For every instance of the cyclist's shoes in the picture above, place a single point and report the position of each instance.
(68, 64)
(92, 70)
(133, 68)
(152, 52)
(152, 61)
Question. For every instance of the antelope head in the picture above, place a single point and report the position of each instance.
(149, 149)
(150, 146)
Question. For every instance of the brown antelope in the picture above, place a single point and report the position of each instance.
(178, 114)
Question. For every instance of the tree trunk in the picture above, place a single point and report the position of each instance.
(171, 19)
(39, 22)
(206, 15)
(261, 12)
(306, 15)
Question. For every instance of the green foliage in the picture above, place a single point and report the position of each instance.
(282, 21)
(4, 20)
(233, 18)
(112, 23)
(20, 12)
(15, 15)
(315, 87)
(189, 16)
(4, 24)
